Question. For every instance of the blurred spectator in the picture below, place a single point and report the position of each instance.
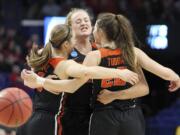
(15, 75)
(35, 38)
(167, 13)
(177, 9)
(32, 9)
(2, 31)
(12, 12)
(50, 8)
(14, 45)
(123, 7)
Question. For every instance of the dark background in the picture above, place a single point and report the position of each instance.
(161, 108)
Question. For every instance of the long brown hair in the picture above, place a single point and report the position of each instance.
(118, 29)
(38, 58)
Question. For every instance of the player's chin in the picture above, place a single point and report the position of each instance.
(85, 33)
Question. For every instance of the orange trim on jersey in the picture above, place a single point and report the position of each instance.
(55, 61)
(94, 46)
(107, 52)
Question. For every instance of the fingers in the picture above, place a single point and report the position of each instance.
(173, 86)
(101, 100)
(22, 74)
(133, 79)
(172, 89)
(29, 78)
(101, 92)
(52, 77)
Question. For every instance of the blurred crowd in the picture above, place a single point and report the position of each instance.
(13, 46)
(15, 43)
(13, 50)
(136, 10)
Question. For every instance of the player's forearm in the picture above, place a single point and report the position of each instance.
(138, 90)
(154, 67)
(69, 86)
(97, 72)
(93, 72)
(169, 74)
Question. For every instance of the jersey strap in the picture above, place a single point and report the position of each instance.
(106, 52)
(55, 61)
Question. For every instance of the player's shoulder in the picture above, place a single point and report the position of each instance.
(95, 53)
(137, 50)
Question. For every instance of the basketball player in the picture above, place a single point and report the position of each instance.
(121, 116)
(77, 105)
(77, 126)
(77, 109)
(45, 104)
(54, 55)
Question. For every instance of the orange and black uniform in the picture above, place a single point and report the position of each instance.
(120, 117)
(76, 107)
(45, 107)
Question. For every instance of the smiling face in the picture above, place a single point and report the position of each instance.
(81, 24)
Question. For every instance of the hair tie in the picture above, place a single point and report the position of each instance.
(53, 44)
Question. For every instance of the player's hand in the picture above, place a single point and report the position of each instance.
(30, 78)
(174, 85)
(128, 76)
(52, 77)
(105, 96)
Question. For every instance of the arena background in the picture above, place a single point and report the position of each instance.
(22, 23)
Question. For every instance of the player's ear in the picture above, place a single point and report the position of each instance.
(101, 32)
(66, 44)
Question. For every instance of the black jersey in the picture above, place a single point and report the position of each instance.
(111, 59)
(44, 100)
(80, 100)
(46, 105)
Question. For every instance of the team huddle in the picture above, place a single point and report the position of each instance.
(90, 86)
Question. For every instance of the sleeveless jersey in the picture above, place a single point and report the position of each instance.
(80, 100)
(44, 100)
(111, 59)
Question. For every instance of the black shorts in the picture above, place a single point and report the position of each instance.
(75, 123)
(117, 122)
(40, 123)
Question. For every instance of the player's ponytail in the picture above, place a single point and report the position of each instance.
(38, 58)
(125, 40)
(119, 30)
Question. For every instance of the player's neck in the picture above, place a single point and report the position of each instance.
(58, 53)
(83, 45)
(110, 45)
